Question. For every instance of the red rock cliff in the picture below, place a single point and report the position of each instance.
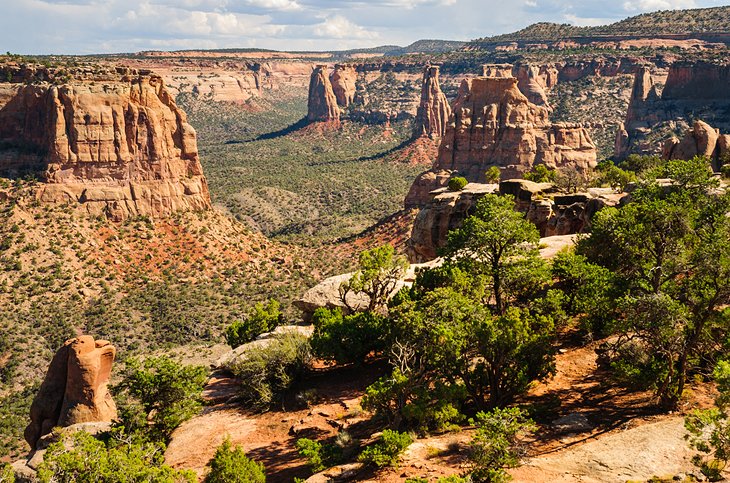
(117, 144)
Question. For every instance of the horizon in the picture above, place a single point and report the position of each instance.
(86, 27)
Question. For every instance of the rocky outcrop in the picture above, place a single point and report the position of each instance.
(434, 110)
(75, 388)
(493, 124)
(701, 140)
(532, 84)
(554, 214)
(117, 144)
(344, 80)
(497, 70)
(322, 103)
(691, 89)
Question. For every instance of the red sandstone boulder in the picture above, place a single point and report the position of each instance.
(75, 388)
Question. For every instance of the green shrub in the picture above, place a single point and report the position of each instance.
(494, 446)
(457, 183)
(261, 319)
(493, 174)
(268, 372)
(541, 174)
(319, 456)
(347, 339)
(709, 430)
(91, 461)
(387, 451)
(7, 475)
(162, 391)
(231, 465)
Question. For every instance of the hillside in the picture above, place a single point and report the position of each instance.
(703, 22)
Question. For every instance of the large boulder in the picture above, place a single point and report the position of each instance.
(75, 389)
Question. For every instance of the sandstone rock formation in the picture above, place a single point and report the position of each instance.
(75, 388)
(493, 124)
(497, 70)
(322, 103)
(701, 140)
(434, 110)
(344, 80)
(532, 84)
(553, 214)
(117, 144)
(691, 89)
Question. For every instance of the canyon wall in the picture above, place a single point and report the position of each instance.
(693, 91)
(114, 142)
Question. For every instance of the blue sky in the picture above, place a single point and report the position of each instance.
(103, 26)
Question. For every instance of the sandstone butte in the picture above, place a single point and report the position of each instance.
(343, 81)
(75, 389)
(113, 141)
(322, 102)
(493, 124)
(434, 110)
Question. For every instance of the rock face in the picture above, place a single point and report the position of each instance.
(691, 89)
(75, 388)
(344, 80)
(552, 213)
(434, 110)
(701, 140)
(493, 124)
(532, 83)
(119, 145)
(322, 103)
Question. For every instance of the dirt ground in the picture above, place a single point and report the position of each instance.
(624, 436)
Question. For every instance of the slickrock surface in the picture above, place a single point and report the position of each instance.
(493, 124)
(434, 110)
(114, 142)
(322, 103)
(75, 388)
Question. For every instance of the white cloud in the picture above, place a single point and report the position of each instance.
(651, 5)
(339, 27)
(285, 5)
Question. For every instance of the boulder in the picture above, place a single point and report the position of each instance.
(75, 388)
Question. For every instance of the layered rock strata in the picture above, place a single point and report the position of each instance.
(493, 124)
(118, 144)
(344, 79)
(434, 110)
(322, 102)
(75, 388)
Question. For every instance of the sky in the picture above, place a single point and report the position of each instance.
(109, 26)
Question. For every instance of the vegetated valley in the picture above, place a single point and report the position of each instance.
(405, 268)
